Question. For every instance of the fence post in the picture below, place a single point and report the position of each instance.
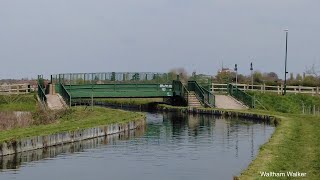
(312, 92)
(299, 89)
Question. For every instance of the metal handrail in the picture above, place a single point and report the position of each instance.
(185, 90)
(65, 95)
(209, 98)
(205, 96)
(41, 94)
(241, 96)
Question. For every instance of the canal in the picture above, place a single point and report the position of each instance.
(172, 146)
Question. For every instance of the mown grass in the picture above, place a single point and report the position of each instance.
(294, 147)
(290, 103)
(76, 118)
(25, 102)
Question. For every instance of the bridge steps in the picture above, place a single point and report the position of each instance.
(193, 101)
(228, 102)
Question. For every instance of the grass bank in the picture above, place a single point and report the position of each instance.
(294, 147)
(76, 118)
(26, 102)
(291, 103)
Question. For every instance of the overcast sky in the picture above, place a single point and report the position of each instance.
(57, 36)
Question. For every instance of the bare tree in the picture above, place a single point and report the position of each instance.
(313, 70)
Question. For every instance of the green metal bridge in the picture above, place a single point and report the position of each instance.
(75, 86)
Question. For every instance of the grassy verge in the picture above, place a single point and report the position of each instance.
(77, 118)
(294, 147)
(25, 102)
(291, 103)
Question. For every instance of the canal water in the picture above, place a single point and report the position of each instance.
(172, 146)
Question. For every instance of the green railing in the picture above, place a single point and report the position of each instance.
(241, 96)
(209, 97)
(112, 77)
(65, 95)
(41, 94)
(180, 89)
(205, 96)
(41, 91)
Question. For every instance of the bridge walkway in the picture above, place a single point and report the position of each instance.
(228, 102)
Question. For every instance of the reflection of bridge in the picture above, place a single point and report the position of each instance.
(73, 87)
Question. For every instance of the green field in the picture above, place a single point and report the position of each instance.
(76, 118)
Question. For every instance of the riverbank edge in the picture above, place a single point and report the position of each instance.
(39, 142)
(221, 112)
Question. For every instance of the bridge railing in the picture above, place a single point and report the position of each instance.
(65, 95)
(111, 77)
(205, 96)
(223, 88)
(209, 97)
(240, 95)
(41, 91)
(179, 89)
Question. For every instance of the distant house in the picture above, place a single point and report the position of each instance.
(226, 70)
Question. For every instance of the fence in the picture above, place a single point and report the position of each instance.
(223, 88)
(15, 89)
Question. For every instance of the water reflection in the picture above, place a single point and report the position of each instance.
(173, 146)
(14, 161)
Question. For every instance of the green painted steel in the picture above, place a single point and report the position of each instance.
(245, 98)
(65, 94)
(119, 90)
(179, 89)
(41, 90)
(126, 85)
(205, 96)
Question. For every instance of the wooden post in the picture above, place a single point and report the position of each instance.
(278, 89)
(317, 90)
(312, 91)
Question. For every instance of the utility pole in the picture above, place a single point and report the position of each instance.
(236, 70)
(251, 69)
(285, 65)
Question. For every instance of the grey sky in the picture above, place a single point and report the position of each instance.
(56, 36)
